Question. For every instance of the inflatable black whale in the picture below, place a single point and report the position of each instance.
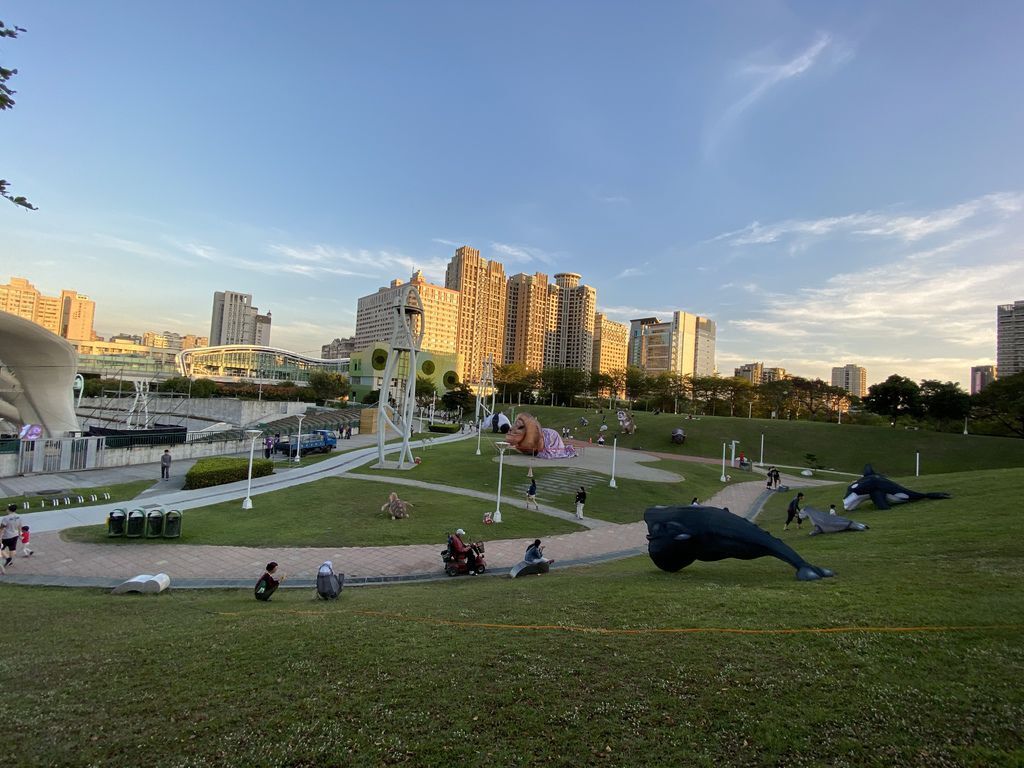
(882, 491)
(679, 535)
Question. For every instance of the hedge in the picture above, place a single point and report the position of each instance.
(446, 428)
(219, 470)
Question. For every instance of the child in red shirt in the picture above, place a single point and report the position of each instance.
(26, 550)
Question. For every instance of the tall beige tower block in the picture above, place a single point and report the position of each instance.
(481, 326)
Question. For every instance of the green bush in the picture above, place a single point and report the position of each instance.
(448, 429)
(218, 470)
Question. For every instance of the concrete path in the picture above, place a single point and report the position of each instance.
(62, 563)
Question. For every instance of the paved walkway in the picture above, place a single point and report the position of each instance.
(63, 563)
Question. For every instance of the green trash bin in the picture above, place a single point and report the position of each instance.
(136, 524)
(154, 523)
(116, 522)
(172, 524)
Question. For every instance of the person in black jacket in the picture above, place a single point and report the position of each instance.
(581, 499)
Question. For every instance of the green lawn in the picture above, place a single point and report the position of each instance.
(843, 447)
(911, 656)
(118, 492)
(344, 513)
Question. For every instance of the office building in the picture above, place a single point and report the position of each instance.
(1010, 339)
(611, 341)
(236, 321)
(482, 300)
(375, 316)
(69, 315)
(981, 377)
(852, 378)
(704, 357)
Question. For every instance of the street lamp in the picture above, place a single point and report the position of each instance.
(298, 440)
(615, 443)
(724, 479)
(502, 446)
(252, 434)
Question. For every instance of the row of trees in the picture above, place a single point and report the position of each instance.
(322, 386)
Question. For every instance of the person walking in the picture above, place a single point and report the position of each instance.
(268, 446)
(581, 499)
(10, 533)
(165, 465)
(531, 495)
(26, 550)
(793, 510)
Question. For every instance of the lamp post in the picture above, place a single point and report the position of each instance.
(298, 440)
(479, 432)
(965, 425)
(502, 446)
(252, 434)
(615, 443)
(761, 462)
(723, 478)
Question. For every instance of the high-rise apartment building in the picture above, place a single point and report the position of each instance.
(530, 320)
(674, 345)
(752, 372)
(375, 316)
(339, 349)
(574, 323)
(236, 321)
(482, 301)
(773, 374)
(1010, 339)
(611, 340)
(981, 377)
(191, 341)
(852, 378)
(69, 315)
(171, 340)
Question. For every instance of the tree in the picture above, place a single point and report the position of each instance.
(739, 391)
(459, 396)
(514, 379)
(944, 401)
(426, 389)
(635, 382)
(7, 102)
(1003, 401)
(776, 397)
(894, 397)
(327, 385)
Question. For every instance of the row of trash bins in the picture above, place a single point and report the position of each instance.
(144, 523)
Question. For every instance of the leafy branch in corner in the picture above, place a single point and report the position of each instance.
(7, 102)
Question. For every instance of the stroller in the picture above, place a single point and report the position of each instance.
(457, 562)
(329, 583)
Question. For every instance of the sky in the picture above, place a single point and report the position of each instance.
(831, 183)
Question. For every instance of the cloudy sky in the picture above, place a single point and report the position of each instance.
(831, 182)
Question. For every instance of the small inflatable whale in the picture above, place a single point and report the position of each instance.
(882, 491)
(679, 535)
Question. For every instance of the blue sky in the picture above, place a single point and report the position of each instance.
(831, 182)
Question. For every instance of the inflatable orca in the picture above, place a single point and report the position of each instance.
(823, 522)
(882, 491)
(679, 535)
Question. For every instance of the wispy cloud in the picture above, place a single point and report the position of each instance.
(632, 272)
(769, 76)
(442, 241)
(908, 228)
(323, 259)
(521, 253)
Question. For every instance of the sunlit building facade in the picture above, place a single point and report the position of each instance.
(243, 362)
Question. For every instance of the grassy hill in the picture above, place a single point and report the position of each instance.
(911, 656)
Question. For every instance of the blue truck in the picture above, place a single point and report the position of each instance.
(318, 441)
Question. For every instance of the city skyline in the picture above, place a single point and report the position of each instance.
(827, 183)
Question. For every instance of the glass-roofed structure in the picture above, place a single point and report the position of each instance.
(245, 362)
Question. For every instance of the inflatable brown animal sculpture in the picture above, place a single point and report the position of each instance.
(395, 507)
(626, 424)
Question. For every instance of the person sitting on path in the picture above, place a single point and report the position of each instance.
(535, 554)
(793, 510)
(269, 582)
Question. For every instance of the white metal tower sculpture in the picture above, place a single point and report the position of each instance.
(406, 338)
(485, 388)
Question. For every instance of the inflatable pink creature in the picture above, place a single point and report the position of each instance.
(529, 437)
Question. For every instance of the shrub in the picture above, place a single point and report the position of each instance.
(446, 428)
(218, 470)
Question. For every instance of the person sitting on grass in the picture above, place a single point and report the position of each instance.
(269, 582)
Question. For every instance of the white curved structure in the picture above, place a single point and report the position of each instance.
(37, 377)
(249, 362)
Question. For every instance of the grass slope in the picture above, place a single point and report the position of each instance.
(580, 667)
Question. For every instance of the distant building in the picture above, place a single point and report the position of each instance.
(338, 349)
(252, 363)
(530, 320)
(1010, 339)
(611, 340)
(482, 297)
(773, 374)
(752, 372)
(852, 378)
(981, 377)
(574, 323)
(69, 315)
(191, 341)
(375, 316)
(674, 345)
(235, 321)
(128, 338)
